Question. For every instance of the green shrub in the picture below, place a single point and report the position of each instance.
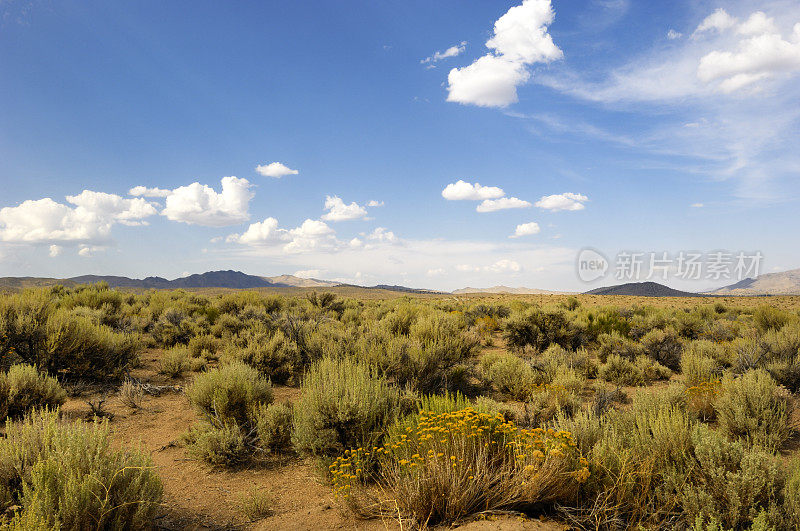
(58, 340)
(219, 445)
(652, 370)
(24, 388)
(754, 409)
(344, 404)
(229, 394)
(697, 366)
(768, 318)
(617, 345)
(791, 496)
(274, 427)
(174, 362)
(203, 346)
(729, 483)
(509, 374)
(275, 356)
(69, 476)
(664, 346)
(539, 329)
(781, 350)
(621, 371)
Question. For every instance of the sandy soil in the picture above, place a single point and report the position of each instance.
(198, 496)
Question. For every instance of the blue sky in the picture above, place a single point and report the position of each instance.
(612, 124)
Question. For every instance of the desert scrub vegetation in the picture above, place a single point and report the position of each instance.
(344, 404)
(56, 475)
(754, 409)
(23, 388)
(706, 441)
(446, 466)
(233, 400)
(35, 329)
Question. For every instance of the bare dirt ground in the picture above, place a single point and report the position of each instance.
(198, 496)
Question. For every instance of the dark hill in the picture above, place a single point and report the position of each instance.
(641, 289)
(212, 279)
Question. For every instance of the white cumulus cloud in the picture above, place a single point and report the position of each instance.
(199, 204)
(526, 229)
(55, 250)
(90, 219)
(275, 170)
(493, 205)
(460, 191)
(565, 201)
(337, 210)
(520, 40)
(762, 54)
(311, 235)
(148, 192)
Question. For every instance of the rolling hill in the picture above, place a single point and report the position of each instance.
(783, 283)
(642, 289)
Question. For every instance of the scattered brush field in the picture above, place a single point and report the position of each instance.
(220, 409)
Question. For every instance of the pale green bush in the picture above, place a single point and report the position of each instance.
(344, 404)
(617, 345)
(219, 444)
(754, 409)
(791, 496)
(68, 476)
(621, 371)
(509, 374)
(24, 388)
(729, 483)
(229, 394)
(697, 366)
(174, 362)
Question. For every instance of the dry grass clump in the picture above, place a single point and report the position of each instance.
(23, 388)
(55, 475)
(446, 466)
(256, 504)
(131, 394)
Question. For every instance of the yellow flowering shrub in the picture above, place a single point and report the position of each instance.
(440, 467)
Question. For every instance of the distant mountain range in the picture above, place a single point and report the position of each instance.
(508, 290)
(642, 289)
(211, 279)
(783, 283)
